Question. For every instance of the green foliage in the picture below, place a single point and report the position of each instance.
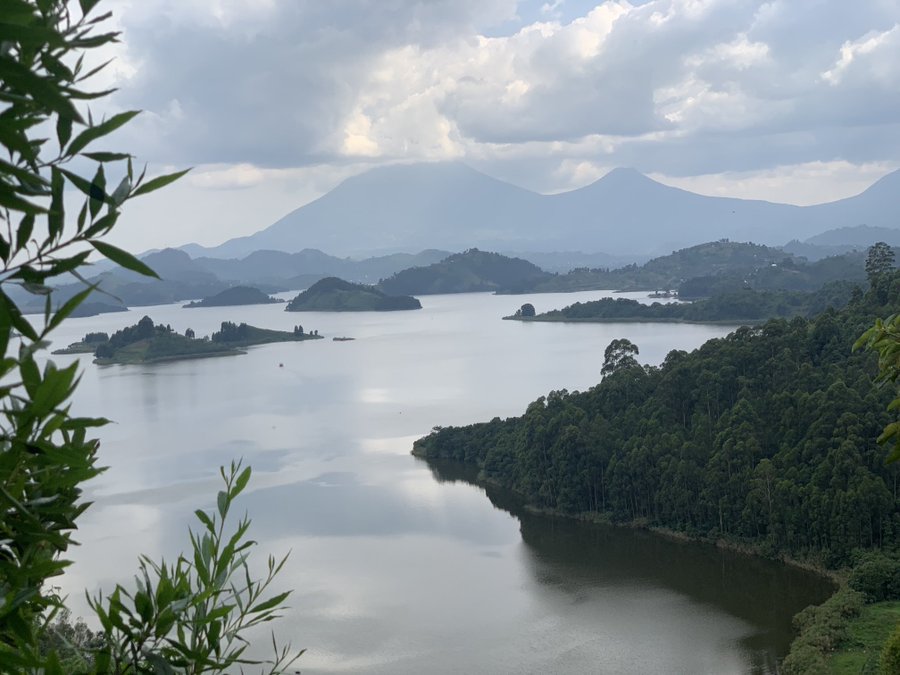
(619, 354)
(877, 577)
(822, 629)
(189, 616)
(765, 437)
(890, 654)
(884, 339)
(45, 453)
(192, 615)
(336, 295)
(739, 306)
(466, 272)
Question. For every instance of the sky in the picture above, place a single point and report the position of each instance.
(274, 102)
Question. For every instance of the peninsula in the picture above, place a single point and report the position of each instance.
(336, 295)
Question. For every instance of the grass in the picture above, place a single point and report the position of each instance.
(859, 655)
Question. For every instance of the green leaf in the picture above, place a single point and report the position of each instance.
(69, 307)
(241, 482)
(26, 227)
(123, 258)
(56, 216)
(106, 156)
(63, 131)
(158, 182)
(98, 131)
(205, 519)
(98, 191)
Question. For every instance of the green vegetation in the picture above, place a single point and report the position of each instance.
(467, 272)
(242, 335)
(765, 438)
(336, 295)
(745, 306)
(146, 343)
(87, 345)
(190, 616)
(706, 270)
(236, 295)
(864, 640)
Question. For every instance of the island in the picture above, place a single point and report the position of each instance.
(87, 345)
(234, 296)
(745, 306)
(336, 295)
(471, 271)
(146, 342)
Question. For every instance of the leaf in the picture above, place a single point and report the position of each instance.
(106, 156)
(123, 258)
(158, 182)
(26, 227)
(63, 131)
(241, 482)
(205, 519)
(98, 191)
(222, 503)
(70, 305)
(98, 131)
(56, 216)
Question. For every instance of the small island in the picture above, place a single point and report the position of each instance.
(336, 295)
(145, 342)
(234, 296)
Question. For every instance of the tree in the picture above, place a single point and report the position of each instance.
(45, 452)
(619, 355)
(526, 310)
(879, 261)
(884, 339)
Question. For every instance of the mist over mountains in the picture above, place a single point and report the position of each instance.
(451, 206)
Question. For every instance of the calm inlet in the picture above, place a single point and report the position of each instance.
(398, 566)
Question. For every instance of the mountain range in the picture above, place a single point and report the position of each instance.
(451, 206)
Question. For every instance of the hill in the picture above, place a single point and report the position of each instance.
(236, 295)
(466, 272)
(451, 206)
(336, 295)
(765, 438)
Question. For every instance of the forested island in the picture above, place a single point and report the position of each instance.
(744, 306)
(234, 296)
(763, 440)
(336, 295)
(145, 342)
(468, 272)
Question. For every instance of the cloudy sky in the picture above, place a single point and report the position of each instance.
(275, 101)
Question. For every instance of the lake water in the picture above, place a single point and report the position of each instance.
(398, 567)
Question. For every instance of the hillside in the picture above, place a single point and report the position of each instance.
(236, 295)
(453, 207)
(466, 272)
(336, 295)
(764, 438)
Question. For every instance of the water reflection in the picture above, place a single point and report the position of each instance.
(588, 562)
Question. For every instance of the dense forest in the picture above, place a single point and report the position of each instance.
(766, 436)
(738, 306)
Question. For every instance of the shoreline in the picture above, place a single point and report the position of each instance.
(709, 322)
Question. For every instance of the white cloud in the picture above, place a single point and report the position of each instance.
(725, 88)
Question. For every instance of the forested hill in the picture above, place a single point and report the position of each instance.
(465, 272)
(766, 436)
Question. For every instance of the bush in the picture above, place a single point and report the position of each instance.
(890, 654)
(877, 577)
(822, 628)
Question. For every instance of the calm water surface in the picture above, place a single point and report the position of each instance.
(399, 567)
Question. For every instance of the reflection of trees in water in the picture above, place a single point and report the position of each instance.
(571, 556)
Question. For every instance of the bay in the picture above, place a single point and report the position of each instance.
(396, 566)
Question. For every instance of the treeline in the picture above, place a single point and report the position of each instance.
(766, 436)
(741, 305)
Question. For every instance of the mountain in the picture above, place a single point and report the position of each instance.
(308, 265)
(451, 206)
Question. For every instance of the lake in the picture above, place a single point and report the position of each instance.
(398, 567)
